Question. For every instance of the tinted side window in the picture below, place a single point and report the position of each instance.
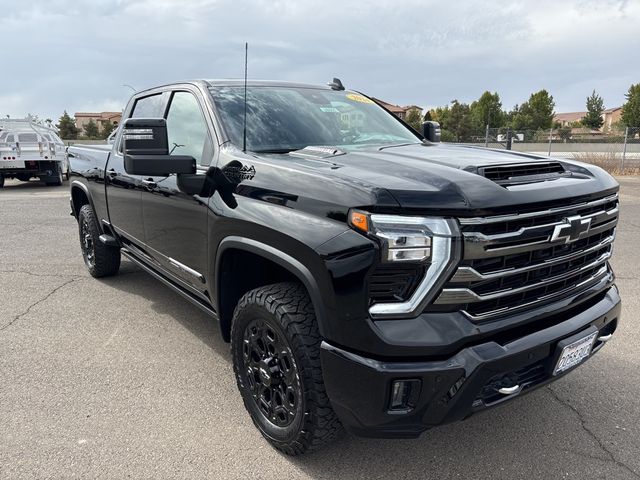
(150, 107)
(187, 129)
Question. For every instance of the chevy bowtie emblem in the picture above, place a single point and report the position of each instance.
(572, 229)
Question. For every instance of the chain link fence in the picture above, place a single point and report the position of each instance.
(617, 152)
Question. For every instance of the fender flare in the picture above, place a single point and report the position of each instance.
(286, 261)
(76, 184)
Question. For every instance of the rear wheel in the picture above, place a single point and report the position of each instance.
(276, 358)
(56, 180)
(23, 177)
(101, 260)
(1, 180)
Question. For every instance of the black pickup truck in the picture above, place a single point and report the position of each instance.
(366, 275)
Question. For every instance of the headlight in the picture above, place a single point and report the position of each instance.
(423, 240)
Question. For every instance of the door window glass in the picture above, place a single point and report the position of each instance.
(187, 129)
(150, 107)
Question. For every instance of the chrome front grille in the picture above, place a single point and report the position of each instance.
(520, 261)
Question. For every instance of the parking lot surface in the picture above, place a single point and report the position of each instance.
(121, 377)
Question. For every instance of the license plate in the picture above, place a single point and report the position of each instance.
(575, 353)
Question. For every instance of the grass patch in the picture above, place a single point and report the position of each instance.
(609, 161)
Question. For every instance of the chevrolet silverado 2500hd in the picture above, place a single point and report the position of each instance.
(366, 275)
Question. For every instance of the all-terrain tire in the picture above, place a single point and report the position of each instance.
(101, 260)
(285, 310)
(57, 178)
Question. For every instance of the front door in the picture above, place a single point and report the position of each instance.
(175, 221)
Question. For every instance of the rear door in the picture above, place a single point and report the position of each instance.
(176, 221)
(124, 191)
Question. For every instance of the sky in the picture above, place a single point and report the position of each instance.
(78, 55)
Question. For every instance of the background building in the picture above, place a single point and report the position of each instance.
(100, 118)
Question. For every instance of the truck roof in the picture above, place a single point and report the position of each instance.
(225, 82)
(263, 83)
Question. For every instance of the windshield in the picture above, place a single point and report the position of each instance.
(281, 119)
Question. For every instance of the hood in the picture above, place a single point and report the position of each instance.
(436, 177)
(445, 179)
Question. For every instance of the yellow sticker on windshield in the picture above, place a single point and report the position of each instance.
(358, 98)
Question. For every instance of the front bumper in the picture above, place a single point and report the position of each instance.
(452, 389)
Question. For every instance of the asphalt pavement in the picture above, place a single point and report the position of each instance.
(122, 378)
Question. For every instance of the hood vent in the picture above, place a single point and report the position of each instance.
(317, 152)
(523, 172)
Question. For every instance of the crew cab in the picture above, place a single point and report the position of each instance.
(367, 276)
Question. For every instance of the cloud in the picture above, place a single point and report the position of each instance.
(77, 54)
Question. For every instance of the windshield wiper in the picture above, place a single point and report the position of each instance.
(275, 150)
(399, 145)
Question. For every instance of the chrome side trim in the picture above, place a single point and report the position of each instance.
(541, 213)
(470, 274)
(465, 295)
(189, 271)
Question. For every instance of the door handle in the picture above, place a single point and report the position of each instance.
(112, 173)
(149, 183)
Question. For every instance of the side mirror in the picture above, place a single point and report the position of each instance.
(431, 131)
(146, 151)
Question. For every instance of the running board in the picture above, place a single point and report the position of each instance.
(176, 288)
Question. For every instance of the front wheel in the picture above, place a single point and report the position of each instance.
(275, 346)
(101, 260)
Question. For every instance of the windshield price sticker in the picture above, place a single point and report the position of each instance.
(358, 98)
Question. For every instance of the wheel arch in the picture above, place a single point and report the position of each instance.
(285, 264)
(80, 196)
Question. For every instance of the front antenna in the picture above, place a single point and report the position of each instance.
(244, 129)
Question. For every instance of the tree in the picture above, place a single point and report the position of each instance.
(459, 122)
(595, 107)
(107, 128)
(67, 127)
(414, 119)
(455, 121)
(91, 129)
(427, 116)
(535, 113)
(487, 110)
(631, 108)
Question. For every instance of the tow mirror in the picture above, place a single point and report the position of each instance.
(431, 131)
(146, 151)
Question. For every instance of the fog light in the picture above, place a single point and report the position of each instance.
(404, 395)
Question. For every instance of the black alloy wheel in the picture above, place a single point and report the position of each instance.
(86, 244)
(101, 260)
(271, 373)
(275, 345)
